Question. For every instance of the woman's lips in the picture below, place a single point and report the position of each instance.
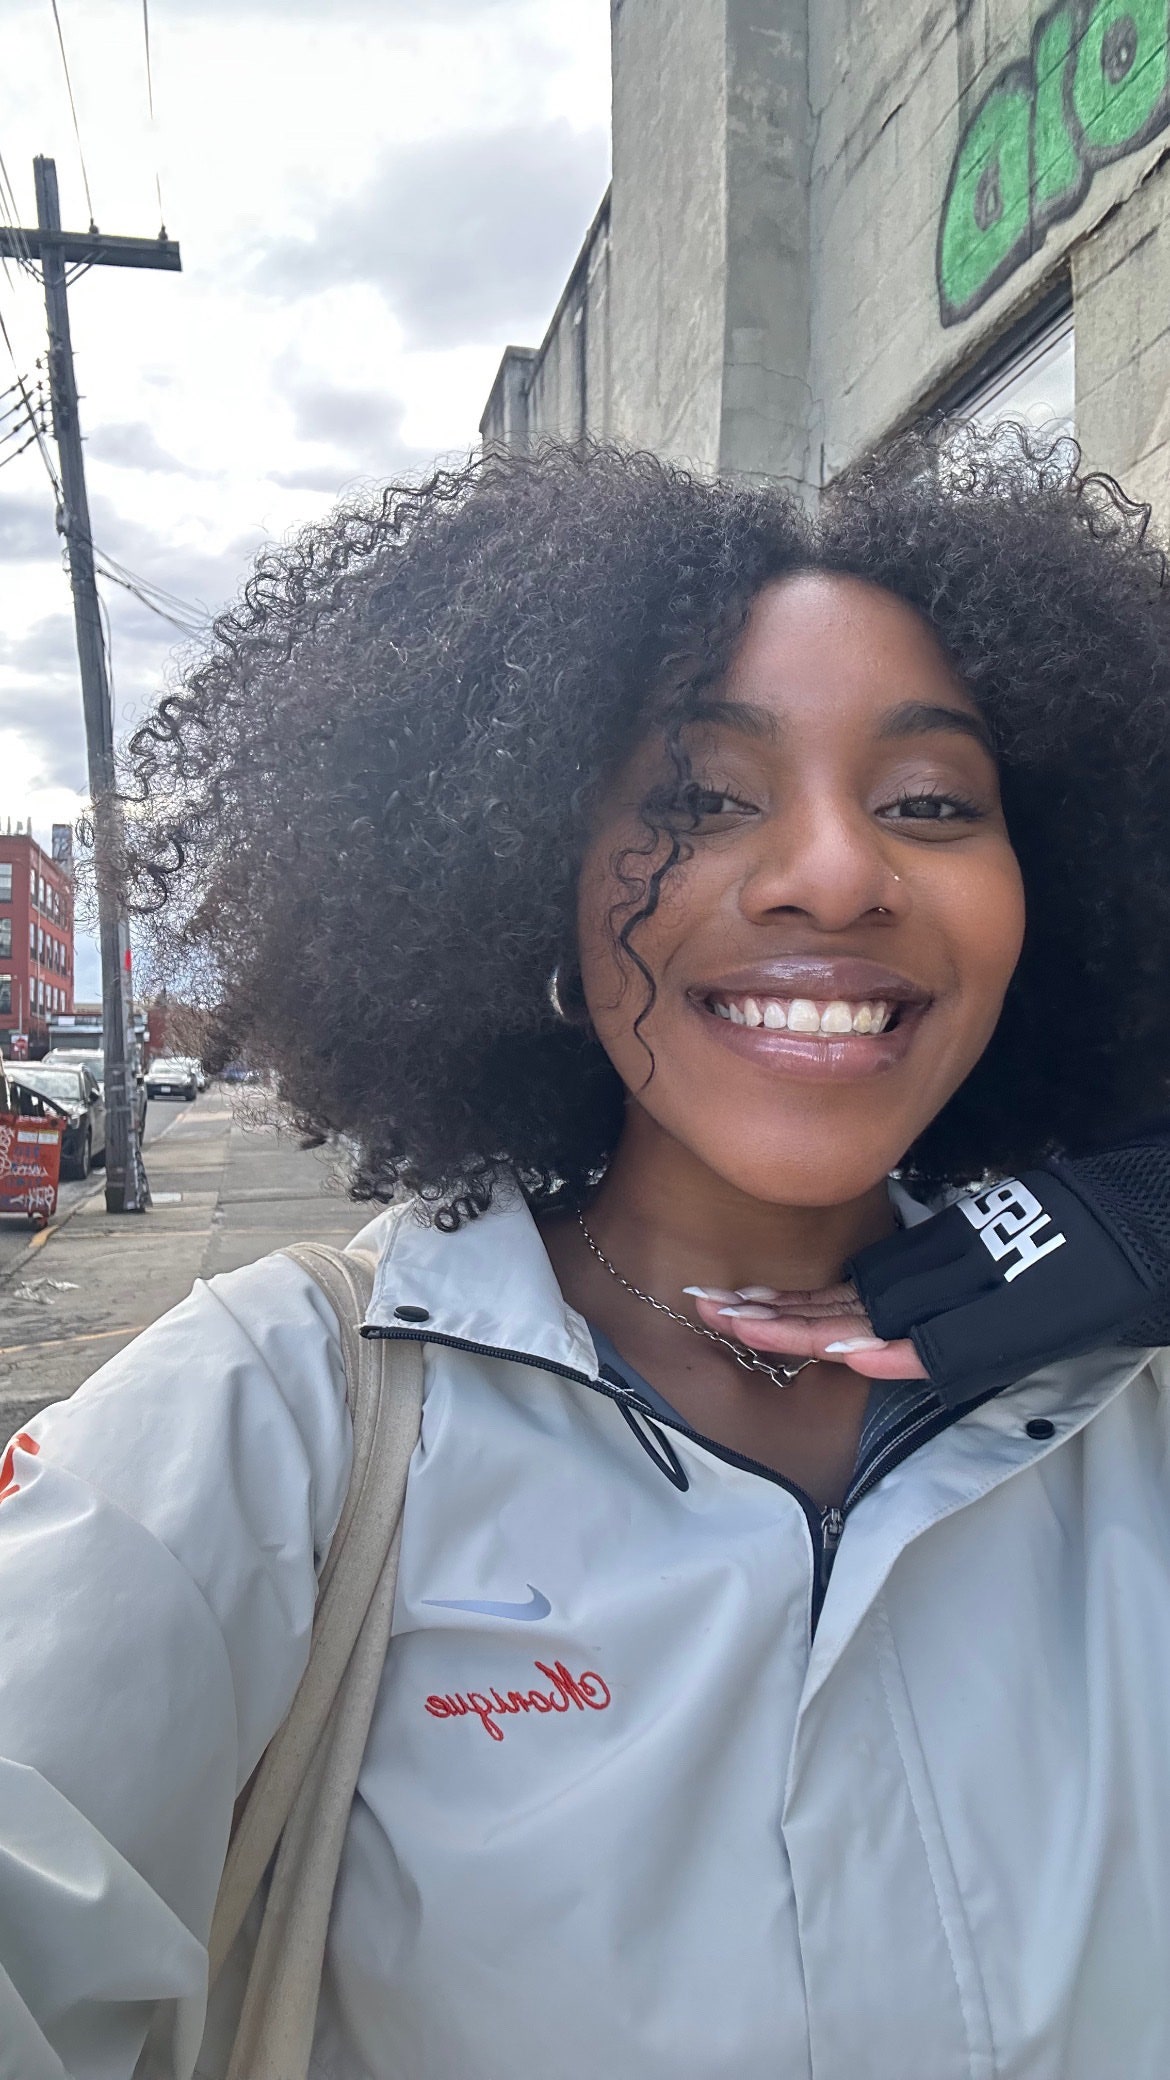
(851, 978)
(841, 1018)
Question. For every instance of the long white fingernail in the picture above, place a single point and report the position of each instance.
(770, 1293)
(710, 1293)
(750, 1313)
(857, 1343)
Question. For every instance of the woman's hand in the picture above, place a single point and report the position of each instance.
(831, 1323)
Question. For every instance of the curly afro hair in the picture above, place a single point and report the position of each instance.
(363, 812)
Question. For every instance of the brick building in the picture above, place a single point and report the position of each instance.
(36, 937)
(828, 217)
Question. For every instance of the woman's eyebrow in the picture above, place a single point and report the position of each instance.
(743, 716)
(908, 719)
(921, 718)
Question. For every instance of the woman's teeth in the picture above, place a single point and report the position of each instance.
(801, 1015)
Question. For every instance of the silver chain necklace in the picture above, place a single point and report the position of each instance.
(780, 1375)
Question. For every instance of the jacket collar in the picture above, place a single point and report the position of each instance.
(981, 1451)
(490, 1284)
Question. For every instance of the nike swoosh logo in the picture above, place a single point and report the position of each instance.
(537, 1607)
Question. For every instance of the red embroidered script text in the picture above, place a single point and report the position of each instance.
(588, 1692)
(22, 1442)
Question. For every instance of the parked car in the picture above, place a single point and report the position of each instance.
(72, 1090)
(172, 1076)
(239, 1072)
(193, 1062)
(93, 1059)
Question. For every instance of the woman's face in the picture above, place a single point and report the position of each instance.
(831, 961)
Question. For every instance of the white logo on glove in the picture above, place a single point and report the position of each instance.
(1008, 1219)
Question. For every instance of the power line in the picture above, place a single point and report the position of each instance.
(6, 459)
(12, 218)
(170, 599)
(39, 437)
(10, 411)
(192, 625)
(21, 425)
(153, 119)
(73, 111)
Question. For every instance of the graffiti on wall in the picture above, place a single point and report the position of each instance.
(1095, 85)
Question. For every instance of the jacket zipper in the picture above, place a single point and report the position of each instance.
(832, 1525)
(826, 1523)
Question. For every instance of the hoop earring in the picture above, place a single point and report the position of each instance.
(566, 996)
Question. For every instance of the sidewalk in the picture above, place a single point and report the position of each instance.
(225, 1192)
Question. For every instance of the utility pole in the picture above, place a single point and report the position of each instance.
(127, 1190)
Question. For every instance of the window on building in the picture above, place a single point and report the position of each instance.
(5, 995)
(5, 881)
(5, 938)
(1030, 375)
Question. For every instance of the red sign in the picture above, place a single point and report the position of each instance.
(30, 1165)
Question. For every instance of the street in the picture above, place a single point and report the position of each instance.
(226, 1189)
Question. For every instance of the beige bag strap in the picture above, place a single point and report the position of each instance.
(303, 1791)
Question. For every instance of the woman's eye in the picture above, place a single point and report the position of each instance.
(931, 808)
(706, 802)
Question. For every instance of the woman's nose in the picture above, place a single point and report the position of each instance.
(823, 861)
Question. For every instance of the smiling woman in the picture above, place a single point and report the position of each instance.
(382, 781)
(668, 894)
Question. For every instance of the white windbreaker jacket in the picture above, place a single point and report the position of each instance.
(623, 1810)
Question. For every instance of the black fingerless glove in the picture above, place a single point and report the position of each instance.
(1060, 1260)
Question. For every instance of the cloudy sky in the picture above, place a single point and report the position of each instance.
(373, 198)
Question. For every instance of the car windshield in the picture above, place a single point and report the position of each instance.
(62, 1084)
(171, 1065)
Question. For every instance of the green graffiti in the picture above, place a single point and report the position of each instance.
(1119, 82)
(1059, 174)
(986, 226)
(1095, 86)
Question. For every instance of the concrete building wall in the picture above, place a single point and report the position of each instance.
(766, 416)
(917, 270)
(1121, 296)
(827, 214)
(668, 218)
(560, 391)
(568, 389)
